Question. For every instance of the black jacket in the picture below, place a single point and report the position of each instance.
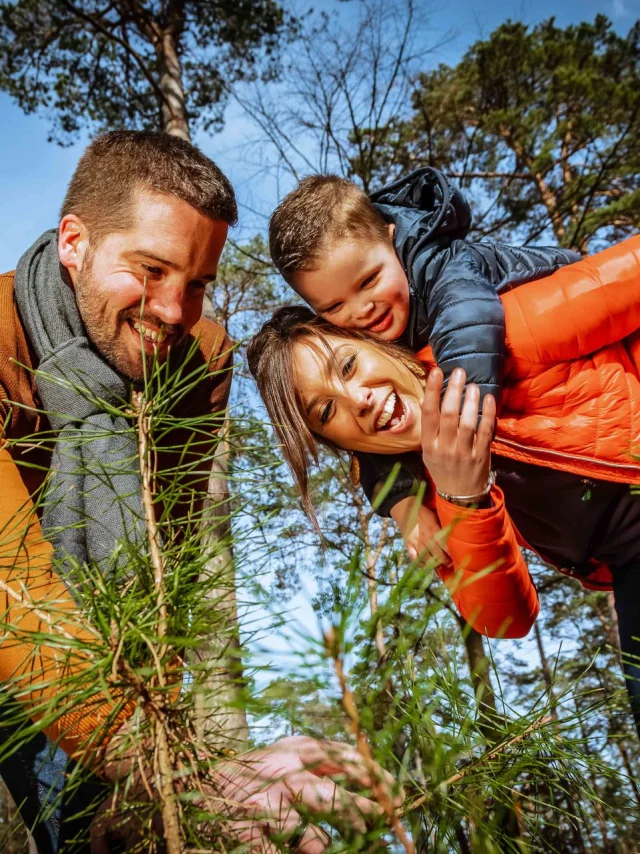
(454, 293)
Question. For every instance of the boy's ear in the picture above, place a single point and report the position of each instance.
(392, 230)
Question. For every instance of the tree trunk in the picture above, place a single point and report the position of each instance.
(546, 670)
(173, 111)
(480, 679)
(594, 783)
(480, 673)
(220, 717)
(612, 626)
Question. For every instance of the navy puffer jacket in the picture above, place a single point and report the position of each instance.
(454, 293)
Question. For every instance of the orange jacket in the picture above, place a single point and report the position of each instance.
(571, 401)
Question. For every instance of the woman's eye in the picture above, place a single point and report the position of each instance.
(326, 412)
(348, 366)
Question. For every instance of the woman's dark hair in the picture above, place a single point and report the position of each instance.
(270, 357)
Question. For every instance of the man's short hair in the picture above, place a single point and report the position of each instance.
(119, 162)
(321, 210)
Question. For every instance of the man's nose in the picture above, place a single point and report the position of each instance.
(168, 304)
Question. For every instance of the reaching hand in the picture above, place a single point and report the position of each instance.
(279, 785)
(271, 793)
(456, 453)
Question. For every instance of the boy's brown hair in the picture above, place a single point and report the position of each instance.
(321, 209)
(118, 163)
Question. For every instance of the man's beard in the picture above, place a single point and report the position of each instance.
(108, 332)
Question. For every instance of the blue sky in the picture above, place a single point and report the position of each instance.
(34, 173)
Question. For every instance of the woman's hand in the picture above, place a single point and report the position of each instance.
(421, 531)
(456, 454)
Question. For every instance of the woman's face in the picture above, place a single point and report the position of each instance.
(357, 396)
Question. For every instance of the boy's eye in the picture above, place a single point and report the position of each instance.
(368, 281)
(332, 308)
(349, 365)
(325, 413)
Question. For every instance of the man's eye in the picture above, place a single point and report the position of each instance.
(349, 365)
(326, 412)
(154, 271)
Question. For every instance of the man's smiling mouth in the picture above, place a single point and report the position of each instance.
(393, 413)
(154, 336)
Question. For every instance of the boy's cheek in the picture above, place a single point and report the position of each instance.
(336, 320)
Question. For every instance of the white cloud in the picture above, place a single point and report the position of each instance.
(619, 8)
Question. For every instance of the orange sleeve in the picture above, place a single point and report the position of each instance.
(578, 309)
(44, 638)
(489, 580)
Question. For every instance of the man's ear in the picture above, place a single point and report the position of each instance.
(73, 244)
(392, 229)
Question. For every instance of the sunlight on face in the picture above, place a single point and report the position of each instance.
(357, 396)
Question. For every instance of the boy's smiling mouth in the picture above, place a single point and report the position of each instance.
(393, 414)
(382, 322)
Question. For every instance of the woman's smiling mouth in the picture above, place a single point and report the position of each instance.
(393, 415)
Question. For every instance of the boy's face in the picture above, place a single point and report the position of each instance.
(359, 285)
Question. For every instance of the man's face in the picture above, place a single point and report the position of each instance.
(140, 291)
(359, 285)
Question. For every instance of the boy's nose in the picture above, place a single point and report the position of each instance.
(364, 310)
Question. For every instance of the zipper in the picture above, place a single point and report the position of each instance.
(544, 451)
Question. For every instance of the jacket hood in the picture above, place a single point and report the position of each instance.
(423, 206)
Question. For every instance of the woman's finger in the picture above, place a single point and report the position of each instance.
(484, 434)
(437, 552)
(431, 407)
(469, 418)
(450, 409)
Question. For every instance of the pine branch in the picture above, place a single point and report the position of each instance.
(380, 791)
(162, 756)
(496, 751)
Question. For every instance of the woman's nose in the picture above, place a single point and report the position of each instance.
(362, 399)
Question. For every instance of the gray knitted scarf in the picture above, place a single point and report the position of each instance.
(93, 498)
